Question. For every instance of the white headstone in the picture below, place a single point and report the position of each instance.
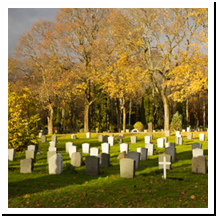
(160, 143)
(178, 133)
(202, 137)
(167, 132)
(145, 131)
(72, 149)
(183, 130)
(52, 149)
(32, 147)
(52, 144)
(147, 139)
(197, 152)
(124, 147)
(56, 164)
(40, 134)
(111, 140)
(188, 129)
(164, 163)
(94, 152)
(73, 136)
(88, 135)
(11, 154)
(85, 148)
(105, 148)
(150, 148)
(68, 145)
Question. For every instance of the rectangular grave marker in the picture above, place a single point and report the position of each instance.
(92, 165)
(127, 168)
(164, 163)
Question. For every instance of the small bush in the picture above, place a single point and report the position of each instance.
(139, 126)
(81, 130)
(69, 168)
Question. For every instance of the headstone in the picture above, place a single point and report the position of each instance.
(53, 144)
(43, 138)
(179, 140)
(196, 145)
(31, 154)
(124, 147)
(136, 156)
(76, 159)
(40, 134)
(72, 149)
(169, 144)
(133, 139)
(26, 165)
(92, 165)
(127, 130)
(143, 153)
(32, 147)
(104, 160)
(150, 148)
(199, 165)
(164, 163)
(122, 131)
(161, 159)
(183, 130)
(111, 135)
(135, 131)
(145, 131)
(197, 152)
(160, 143)
(111, 140)
(151, 136)
(178, 133)
(119, 139)
(94, 152)
(67, 146)
(147, 139)
(88, 135)
(105, 147)
(202, 137)
(165, 139)
(171, 151)
(85, 148)
(167, 132)
(189, 135)
(127, 168)
(105, 138)
(154, 131)
(11, 154)
(50, 154)
(188, 129)
(150, 127)
(122, 155)
(54, 138)
(52, 149)
(56, 164)
(100, 138)
(73, 136)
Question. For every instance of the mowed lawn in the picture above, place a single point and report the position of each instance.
(74, 189)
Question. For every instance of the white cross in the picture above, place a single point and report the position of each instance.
(164, 163)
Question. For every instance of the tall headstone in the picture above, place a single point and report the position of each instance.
(105, 147)
(85, 148)
(196, 145)
(94, 151)
(171, 151)
(43, 139)
(100, 138)
(68, 145)
(11, 154)
(199, 165)
(40, 134)
(197, 152)
(147, 139)
(56, 164)
(54, 138)
(188, 129)
(124, 147)
(161, 160)
(105, 138)
(151, 136)
(164, 164)
(160, 143)
(88, 135)
(178, 133)
(143, 153)
(167, 132)
(92, 165)
(72, 149)
(179, 140)
(31, 154)
(76, 159)
(111, 140)
(53, 144)
(189, 135)
(133, 139)
(26, 165)
(202, 137)
(150, 148)
(136, 156)
(104, 160)
(50, 154)
(127, 168)
(150, 128)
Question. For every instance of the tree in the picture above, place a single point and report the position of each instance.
(176, 123)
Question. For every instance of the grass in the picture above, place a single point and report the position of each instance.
(74, 189)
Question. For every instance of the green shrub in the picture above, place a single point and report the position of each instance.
(69, 168)
(81, 130)
(130, 127)
(139, 126)
(176, 123)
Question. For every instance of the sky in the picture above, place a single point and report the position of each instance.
(17, 18)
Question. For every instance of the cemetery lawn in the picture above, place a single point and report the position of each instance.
(74, 189)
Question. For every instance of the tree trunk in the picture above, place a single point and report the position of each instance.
(130, 113)
(166, 111)
(187, 115)
(50, 120)
(204, 112)
(118, 114)
(137, 113)
(124, 115)
(107, 113)
(86, 118)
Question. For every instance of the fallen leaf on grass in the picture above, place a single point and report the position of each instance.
(151, 182)
(193, 197)
(27, 195)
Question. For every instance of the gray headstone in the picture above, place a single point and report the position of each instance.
(68, 145)
(189, 135)
(76, 159)
(119, 139)
(171, 151)
(133, 139)
(94, 151)
(43, 138)
(85, 148)
(111, 140)
(105, 148)
(72, 149)
(197, 152)
(92, 165)
(170, 144)
(56, 164)
(199, 165)
(150, 128)
(150, 148)
(104, 160)
(26, 165)
(122, 155)
(31, 154)
(100, 138)
(105, 138)
(136, 156)
(124, 147)
(127, 168)
(196, 145)
(11, 154)
(143, 153)
(168, 159)
(50, 154)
